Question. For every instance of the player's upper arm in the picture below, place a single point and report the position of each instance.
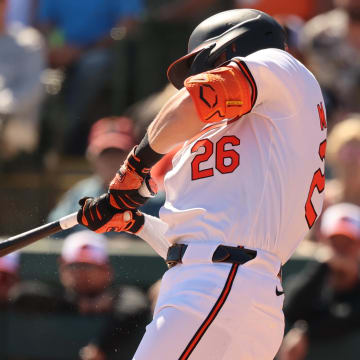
(271, 78)
(222, 93)
(280, 80)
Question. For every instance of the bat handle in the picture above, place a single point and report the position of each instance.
(19, 241)
(68, 221)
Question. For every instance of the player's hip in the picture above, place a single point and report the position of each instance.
(198, 283)
(215, 252)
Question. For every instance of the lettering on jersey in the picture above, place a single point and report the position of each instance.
(318, 180)
(322, 117)
(222, 154)
(226, 160)
(322, 150)
(196, 173)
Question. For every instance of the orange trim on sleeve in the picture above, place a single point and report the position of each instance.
(221, 93)
(245, 70)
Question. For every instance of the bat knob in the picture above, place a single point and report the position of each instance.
(127, 216)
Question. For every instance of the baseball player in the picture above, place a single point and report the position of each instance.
(244, 189)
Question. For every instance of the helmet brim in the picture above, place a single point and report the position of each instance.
(179, 70)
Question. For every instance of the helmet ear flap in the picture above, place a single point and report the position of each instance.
(202, 61)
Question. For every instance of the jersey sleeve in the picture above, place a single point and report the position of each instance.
(277, 80)
(221, 93)
(271, 78)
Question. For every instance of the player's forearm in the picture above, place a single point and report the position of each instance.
(176, 122)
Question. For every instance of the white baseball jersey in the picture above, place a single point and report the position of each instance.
(256, 181)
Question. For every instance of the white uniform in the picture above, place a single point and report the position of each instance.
(256, 182)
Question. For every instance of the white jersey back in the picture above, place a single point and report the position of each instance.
(256, 181)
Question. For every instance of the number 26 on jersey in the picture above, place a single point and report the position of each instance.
(226, 159)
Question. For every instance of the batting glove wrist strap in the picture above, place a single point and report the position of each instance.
(145, 157)
(124, 188)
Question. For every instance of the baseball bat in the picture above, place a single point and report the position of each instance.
(67, 222)
(26, 238)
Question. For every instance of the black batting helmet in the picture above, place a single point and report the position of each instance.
(237, 32)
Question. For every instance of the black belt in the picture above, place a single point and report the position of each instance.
(222, 254)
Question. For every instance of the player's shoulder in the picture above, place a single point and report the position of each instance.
(277, 64)
(268, 53)
(273, 58)
(277, 69)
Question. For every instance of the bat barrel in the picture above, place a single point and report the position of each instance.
(26, 238)
(19, 241)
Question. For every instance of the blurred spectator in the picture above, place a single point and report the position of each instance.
(21, 12)
(322, 302)
(21, 66)
(331, 44)
(293, 26)
(189, 11)
(162, 39)
(30, 296)
(35, 297)
(9, 277)
(80, 36)
(343, 157)
(304, 9)
(110, 141)
(87, 277)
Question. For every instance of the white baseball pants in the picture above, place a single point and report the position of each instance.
(216, 311)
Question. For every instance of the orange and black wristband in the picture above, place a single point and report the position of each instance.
(145, 157)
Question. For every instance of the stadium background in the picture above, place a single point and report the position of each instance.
(44, 154)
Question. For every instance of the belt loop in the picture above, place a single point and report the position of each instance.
(175, 254)
(200, 253)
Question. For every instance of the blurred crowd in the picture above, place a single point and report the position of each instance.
(79, 83)
(87, 289)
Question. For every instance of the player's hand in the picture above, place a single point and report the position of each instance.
(124, 188)
(98, 215)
